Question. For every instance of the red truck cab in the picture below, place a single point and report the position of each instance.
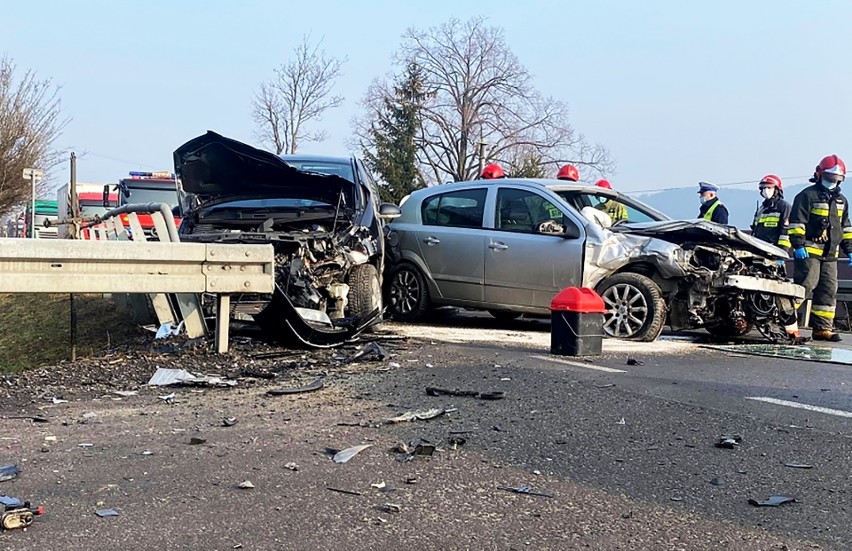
(148, 187)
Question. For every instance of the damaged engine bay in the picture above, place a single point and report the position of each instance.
(326, 236)
(711, 276)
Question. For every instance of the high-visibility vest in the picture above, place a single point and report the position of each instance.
(709, 214)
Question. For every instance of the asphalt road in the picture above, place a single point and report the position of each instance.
(626, 451)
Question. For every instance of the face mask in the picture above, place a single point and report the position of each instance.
(767, 192)
(827, 184)
(702, 200)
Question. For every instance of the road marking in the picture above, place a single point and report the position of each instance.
(788, 403)
(579, 364)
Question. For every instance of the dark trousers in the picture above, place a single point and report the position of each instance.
(820, 277)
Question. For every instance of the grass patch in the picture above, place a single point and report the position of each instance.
(35, 329)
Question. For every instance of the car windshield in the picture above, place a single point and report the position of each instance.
(623, 209)
(268, 204)
(342, 169)
(149, 195)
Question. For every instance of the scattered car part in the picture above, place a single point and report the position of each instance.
(456, 441)
(345, 455)
(9, 472)
(106, 513)
(633, 361)
(17, 514)
(717, 481)
(416, 416)
(316, 385)
(245, 485)
(526, 490)
(729, 441)
(373, 348)
(391, 508)
(798, 465)
(493, 395)
(772, 501)
(291, 466)
(196, 441)
(229, 421)
(342, 491)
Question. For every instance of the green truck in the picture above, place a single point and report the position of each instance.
(44, 210)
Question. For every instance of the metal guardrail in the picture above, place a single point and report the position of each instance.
(108, 262)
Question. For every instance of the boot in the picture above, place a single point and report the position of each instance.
(826, 335)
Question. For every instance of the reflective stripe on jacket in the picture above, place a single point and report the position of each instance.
(819, 222)
(771, 221)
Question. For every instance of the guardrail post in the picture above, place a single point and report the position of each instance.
(223, 317)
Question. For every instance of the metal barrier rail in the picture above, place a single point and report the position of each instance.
(79, 266)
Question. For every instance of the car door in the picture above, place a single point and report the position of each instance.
(451, 242)
(528, 258)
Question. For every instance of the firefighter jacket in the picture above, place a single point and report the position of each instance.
(714, 211)
(819, 222)
(771, 220)
(615, 210)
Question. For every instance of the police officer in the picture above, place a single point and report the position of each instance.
(711, 208)
(770, 223)
(819, 226)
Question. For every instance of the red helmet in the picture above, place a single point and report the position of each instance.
(603, 184)
(771, 180)
(492, 171)
(568, 172)
(830, 165)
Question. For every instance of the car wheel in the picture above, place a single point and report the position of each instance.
(505, 315)
(365, 293)
(635, 309)
(408, 294)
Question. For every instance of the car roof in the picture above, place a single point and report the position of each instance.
(553, 185)
(318, 159)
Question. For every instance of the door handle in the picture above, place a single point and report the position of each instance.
(431, 240)
(498, 246)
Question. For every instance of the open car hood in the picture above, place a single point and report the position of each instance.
(212, 166)
(682, 231)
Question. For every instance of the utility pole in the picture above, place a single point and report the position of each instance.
(74, 229)
(482, 145)
(34, 175)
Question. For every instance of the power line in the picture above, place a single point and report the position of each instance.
(726, 184)
(116, 159)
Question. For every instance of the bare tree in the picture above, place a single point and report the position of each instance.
(300, 93)
(482, 101)
(30, 123)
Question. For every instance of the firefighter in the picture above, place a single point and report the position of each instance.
(568, 172)
(492, 172)
(614, 209)
(772, 217)
(712, 208)
(770, 223)
(819, 227)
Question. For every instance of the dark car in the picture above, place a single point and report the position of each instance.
(321, 215)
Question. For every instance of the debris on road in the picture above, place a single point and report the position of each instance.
(790, 352)
(245, 485)
(391, 508)
(372, 349)
(416, 416)
(773, 501)
(729, 441)
(169, 377)
(229, 421)
(106, 513)
(798, 465)
(493, 395)
(17, 514)
(345, 455)
(195, 441)
(56, 400)
(456, 441)
(33, 418)
(167, 330)
(524, 490)
(316, 385)
(621, 422)
(9, 472)
(418, 446)
(633, 361)
(341, 491)
(126, 393)
(291, 466)
(717, 481)
(168, 398)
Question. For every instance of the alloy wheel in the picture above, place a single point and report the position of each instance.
(626, 310)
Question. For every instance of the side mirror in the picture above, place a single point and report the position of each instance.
(106, 197)
(571, 230)
(389, 211)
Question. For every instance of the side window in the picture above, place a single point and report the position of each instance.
(462, 209)
(524, 211)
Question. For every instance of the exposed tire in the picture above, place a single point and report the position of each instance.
(408, 294)
(365, 293)
(635, 309)
(505, 315)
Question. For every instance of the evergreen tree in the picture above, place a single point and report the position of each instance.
(394, 134)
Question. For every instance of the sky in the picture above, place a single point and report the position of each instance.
(723, 91)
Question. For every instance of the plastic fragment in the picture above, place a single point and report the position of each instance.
(316, 385)
(772, 501)
(345, 455)
(106, 513)
(9, 472)
(729, 441)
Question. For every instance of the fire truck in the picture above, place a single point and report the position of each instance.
(90, 199)
(144, 187)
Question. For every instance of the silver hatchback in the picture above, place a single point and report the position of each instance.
(508, 246)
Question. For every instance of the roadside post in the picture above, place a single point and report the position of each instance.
(34, 175)
(576, 328)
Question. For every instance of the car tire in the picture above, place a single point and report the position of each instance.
(505, 315)
(635, 307)
(408, 294)
(365, 293)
